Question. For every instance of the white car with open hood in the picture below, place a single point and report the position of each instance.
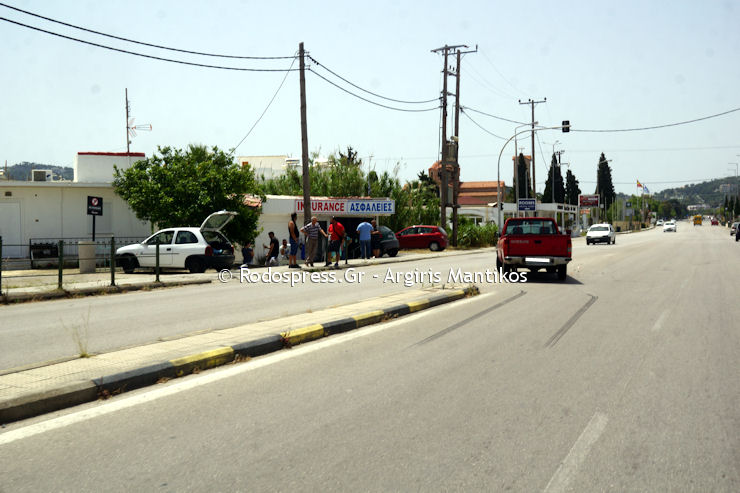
(192, 248)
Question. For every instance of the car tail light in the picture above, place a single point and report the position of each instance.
(209, 251)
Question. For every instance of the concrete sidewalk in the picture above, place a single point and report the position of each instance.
(35, 391)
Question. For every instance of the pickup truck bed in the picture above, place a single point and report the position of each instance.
(534, 243)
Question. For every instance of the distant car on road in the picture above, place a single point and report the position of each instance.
(659, 223)
(195, 249)
(733, 228)
(715, 221)
(669, 226)
(422, 236)
(601, 233)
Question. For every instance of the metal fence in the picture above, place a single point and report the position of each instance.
(49, 256)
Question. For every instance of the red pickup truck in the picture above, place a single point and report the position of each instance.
(534, 243)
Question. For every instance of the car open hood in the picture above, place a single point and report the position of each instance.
(217, 220)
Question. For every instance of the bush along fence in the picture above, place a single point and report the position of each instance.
(51, 256)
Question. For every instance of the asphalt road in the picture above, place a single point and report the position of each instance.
(625, 378)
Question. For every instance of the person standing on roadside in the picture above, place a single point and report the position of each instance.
(272, 254)
(336, 236)
(312, 230)
(365, 228)
(293, 239)
(375, 237)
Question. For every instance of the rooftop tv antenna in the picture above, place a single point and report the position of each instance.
(131, 128)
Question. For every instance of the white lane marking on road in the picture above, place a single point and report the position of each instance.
(659, 323)
(569, 467)
(218, 374)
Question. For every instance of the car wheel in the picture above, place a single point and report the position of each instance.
(562, 272)
(128, 264)
(434, 246)
(392, 253)
(195, 266)
(614, 240)
(588, 242)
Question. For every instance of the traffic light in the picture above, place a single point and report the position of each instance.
(566, 126)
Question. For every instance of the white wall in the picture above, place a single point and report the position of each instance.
(97, 167)
(59, 210)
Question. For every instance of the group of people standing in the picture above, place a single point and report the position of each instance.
(369, 238)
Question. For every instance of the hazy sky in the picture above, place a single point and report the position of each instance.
(601, 65)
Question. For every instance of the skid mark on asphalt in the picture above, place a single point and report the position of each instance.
(469, 319)
(571, 321)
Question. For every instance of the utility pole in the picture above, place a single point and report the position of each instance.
(534, 181)
(450, 149)
(304, 141)
(128, 142)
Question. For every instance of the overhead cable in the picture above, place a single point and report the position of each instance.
(287, 73)
(142, 54)
(143, 43)
(370, 101)
(479, 126)
(493, 116)
(365, 90)
(658, 126)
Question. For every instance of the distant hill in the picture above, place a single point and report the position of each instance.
(22, 171)
(711, 192)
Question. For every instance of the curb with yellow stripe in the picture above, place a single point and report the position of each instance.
(81, 392)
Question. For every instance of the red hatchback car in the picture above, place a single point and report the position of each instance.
(422, 236)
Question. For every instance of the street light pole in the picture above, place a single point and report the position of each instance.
(498, 165)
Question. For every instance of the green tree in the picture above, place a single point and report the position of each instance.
(604, 185)
(523, 183)
(181, 188)
(572, 191)
(559, 186)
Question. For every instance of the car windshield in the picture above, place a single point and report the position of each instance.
(599, 228)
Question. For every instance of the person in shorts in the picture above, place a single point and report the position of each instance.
(336, 237)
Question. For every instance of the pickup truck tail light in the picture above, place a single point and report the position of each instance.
(570, 248)
(209, 251)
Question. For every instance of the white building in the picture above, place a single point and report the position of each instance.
(276, 211)
(33, 211)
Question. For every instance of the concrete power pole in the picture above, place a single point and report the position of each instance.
(534, 182)
(304, 141)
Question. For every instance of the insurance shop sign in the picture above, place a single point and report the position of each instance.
(349, 207)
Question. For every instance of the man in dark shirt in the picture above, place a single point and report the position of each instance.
(272, 255)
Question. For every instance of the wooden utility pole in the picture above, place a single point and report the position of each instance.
(449, 149)
(534, 182)
(456, 165)
(443, 163)
(304, 141)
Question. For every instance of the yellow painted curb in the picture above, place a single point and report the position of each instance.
(415, 306)
(304, 334)
(206, 359)
(368, 318)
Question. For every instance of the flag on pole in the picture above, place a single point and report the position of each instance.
(639, 185)
(645, 189)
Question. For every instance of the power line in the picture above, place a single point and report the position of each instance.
(659, 126)
(287, 73)
(143, 43)
(141, 54)
(370, 101)
(479, 126)
(493, 116)
(367, 91)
